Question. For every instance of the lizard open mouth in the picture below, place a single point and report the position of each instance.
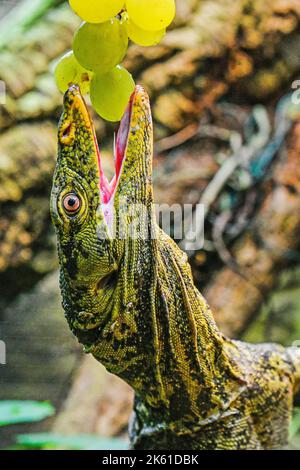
(107, 188)
(79, 151)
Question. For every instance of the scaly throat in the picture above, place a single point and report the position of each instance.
(162, 339)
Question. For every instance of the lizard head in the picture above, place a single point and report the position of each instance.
(92, 216)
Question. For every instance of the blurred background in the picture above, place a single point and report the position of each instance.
(226, 105)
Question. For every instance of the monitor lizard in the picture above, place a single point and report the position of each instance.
(129, 297)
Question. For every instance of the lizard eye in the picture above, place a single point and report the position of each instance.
(71, 203)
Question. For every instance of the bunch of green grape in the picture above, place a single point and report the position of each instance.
(100, 44)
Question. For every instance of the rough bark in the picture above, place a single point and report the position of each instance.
(105, 403)
(269, 244)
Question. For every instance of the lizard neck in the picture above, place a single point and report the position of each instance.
(165, 343)
(198, 371)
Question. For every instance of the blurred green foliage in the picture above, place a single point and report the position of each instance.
(295, 430)
(76, 442)
(279, 318)
(13, 412)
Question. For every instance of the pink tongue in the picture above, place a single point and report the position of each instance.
(104, 184)
(106, 191)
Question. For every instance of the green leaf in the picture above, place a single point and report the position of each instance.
(12, 412)
(295, 424)
(77, 442)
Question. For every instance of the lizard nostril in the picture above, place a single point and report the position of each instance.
(66, 133)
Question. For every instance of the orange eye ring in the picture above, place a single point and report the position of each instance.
(71, 203)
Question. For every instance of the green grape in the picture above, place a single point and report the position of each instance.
(96, 11)
(110, 93)
(142, 37)
(151, 15)
(100, 47)
(68, 71)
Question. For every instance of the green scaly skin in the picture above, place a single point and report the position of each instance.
(133, 304)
